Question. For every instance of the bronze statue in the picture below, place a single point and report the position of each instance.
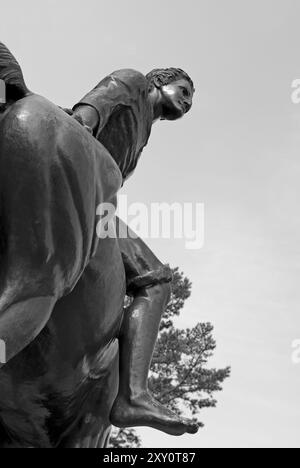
(62, 288)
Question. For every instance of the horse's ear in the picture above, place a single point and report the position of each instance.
(11, 74)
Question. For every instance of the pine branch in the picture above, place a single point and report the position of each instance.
(182, 380)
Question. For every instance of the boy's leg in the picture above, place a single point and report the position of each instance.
(134, 405)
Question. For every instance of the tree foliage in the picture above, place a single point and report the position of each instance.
(179, 377)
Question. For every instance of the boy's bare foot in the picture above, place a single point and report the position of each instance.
(144, 410)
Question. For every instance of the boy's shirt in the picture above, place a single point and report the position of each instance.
(126, 116)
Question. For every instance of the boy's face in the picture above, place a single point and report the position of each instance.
(177, 99)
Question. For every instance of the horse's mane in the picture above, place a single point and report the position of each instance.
(11, 74)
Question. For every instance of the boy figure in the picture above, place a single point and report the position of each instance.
(120, 112)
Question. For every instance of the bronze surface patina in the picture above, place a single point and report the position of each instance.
(75, 360)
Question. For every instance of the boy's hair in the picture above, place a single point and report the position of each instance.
(164, 76)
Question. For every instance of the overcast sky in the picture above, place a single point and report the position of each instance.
(237, 152)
